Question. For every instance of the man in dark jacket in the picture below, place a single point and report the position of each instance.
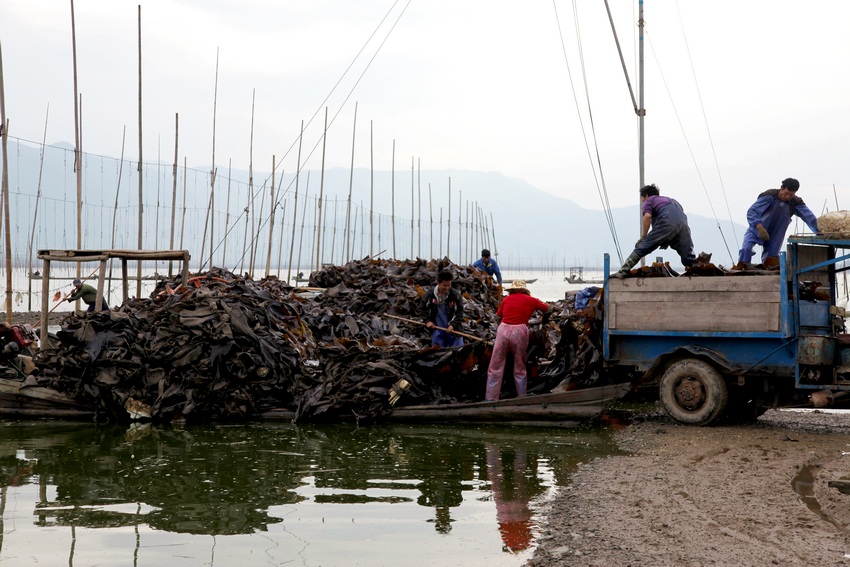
(442, 306)
(88, 294)
(768, 219)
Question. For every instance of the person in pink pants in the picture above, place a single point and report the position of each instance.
(512, 337)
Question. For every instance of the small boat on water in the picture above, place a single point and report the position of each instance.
(577, 277)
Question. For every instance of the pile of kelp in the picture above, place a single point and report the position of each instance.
(226, 347)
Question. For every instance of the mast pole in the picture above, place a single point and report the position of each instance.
(642, 109)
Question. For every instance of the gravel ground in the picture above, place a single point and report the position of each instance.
(743, 495)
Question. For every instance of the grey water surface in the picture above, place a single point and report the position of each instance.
(280, 494)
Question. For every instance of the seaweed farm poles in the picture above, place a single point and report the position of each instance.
(431, 215)
(393, 200)
(4, 140)
(449, 223)
(226, 214)
(295, 208)
(350, 185)
(412, 209)
(173, 194)
(371, 191)
(38, 195)
(271, 219)
(321, 194)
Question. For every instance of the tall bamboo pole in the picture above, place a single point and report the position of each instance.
(77, 141)
(117, 192)
(441, 232)
(459, 226)
(395, 257)
(280, 237)
(227, 212)
(449, 222)
(431, 217)
(412, 205)
(295, 208)
(256, 236)
(350, 187)
(4, 141)
(141, 169)
(303, 217)
(249, 211)
(173, 192)
(493, 228)
(271, 221)
(333, 234)
(419, 207)
(321, 194)
(183, 214)
(213, 168)
(35, 213)
(466, 235)
(371, 191)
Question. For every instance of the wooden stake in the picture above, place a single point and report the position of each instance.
(140, 170)
(321, 194)
(395, 256)
(4, 186)
(350, 188)
(295, 209)
(173, 194)
(271, 221)
(371, 191)
(37, 197)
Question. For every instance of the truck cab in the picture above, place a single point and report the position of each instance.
(733, 346)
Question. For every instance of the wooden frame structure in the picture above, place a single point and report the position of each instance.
(79, 256)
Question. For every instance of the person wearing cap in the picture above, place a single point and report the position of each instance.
(88, 294)
(512, 337)
(669, 229)
(489, 266)
(768, 219)
(442, 306)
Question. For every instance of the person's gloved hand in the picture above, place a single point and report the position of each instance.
(68, 300)
(546, 315)
(763, 234)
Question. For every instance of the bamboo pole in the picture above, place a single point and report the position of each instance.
(227, 211)
(324, 221)
(183, 215)
(140, 169)
(371, 191)
(156, 210)
(249, 211)
(419, 207)
(459, 226)
(395, 256)
(213, 168)
(271, 219)
(173, 193)
(449, 222)
(441, 233)
(4, 141)
(295, 208)
(303, 216)
(412, 205)
(280, 238)
(333, 233)
(321, 193)
(117, 192)
(77, 141)
(256, 236)
(350, 187)
(35, 213)
(466, 235)
(431, 217)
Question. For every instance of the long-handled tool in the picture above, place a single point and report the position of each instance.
(415, 322)
(58, 296)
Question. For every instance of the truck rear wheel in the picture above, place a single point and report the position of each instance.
(693, 392)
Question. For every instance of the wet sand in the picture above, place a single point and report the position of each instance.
(743, 495)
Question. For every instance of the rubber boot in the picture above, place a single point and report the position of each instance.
(627, 266)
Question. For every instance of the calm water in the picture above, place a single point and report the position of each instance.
(277, 494)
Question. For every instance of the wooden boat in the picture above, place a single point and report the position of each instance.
(509, 282)
(18, 400)
(575, 405)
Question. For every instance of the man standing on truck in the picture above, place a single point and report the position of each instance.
(512, 337)
(669, 229)
(769, 218)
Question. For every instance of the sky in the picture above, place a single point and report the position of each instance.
(740, 94)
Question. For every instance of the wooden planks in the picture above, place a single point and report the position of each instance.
(722, 304)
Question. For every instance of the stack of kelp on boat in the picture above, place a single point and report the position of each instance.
(227, 347)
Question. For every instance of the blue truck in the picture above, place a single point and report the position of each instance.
(730, 347)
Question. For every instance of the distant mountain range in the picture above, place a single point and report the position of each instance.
(533, 228)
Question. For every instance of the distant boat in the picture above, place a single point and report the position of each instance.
(509, 282)
(577, 277)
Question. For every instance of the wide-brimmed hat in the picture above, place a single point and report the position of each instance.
(518, 285)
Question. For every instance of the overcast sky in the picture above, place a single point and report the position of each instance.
(458, 84)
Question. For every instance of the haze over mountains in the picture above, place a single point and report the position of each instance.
(532, 228)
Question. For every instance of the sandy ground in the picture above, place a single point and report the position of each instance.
(743, 495)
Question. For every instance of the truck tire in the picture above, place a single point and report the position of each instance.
(693, 392)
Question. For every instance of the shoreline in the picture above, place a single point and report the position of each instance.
(744, 495)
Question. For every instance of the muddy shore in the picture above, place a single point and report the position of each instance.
(743, 495)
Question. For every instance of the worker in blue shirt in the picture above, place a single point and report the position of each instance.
(768, 219)
(488, 265)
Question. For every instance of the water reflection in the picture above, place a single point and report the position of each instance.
(345, 494)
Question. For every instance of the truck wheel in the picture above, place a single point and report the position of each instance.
(693, 392)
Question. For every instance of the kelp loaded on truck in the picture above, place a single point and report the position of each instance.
(735, 345)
